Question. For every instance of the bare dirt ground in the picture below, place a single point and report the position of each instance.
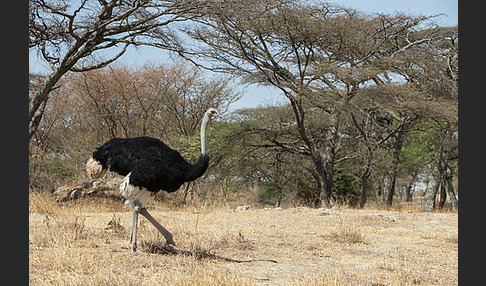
(85, 243)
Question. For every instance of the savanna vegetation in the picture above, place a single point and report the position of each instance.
(335, 183)
(369, 117)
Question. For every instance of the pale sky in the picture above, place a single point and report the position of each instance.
(255, 95)
(416, 7)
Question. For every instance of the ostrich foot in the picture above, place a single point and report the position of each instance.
(136, 251)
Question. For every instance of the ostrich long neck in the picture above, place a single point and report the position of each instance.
(204, 126)
(198, 169)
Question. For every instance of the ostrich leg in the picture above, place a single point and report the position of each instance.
(165, 232)
(186, 190)
(133, 233)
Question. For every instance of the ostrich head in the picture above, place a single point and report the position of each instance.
(212, 113)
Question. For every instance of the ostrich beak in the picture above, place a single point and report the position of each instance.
(213, 113)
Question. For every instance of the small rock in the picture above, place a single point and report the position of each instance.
(39, 217)
(94, 183)
(243, 208)
(310, 233)
(66, 193)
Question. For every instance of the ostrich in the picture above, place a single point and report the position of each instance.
(149, 165)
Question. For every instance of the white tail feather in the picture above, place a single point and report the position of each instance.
(95, 169)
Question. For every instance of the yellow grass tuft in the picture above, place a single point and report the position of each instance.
(346, 234)
(42, 203)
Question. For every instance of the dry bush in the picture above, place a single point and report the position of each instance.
(346, 234)
(42, 203)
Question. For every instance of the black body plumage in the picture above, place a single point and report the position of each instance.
(153, 164)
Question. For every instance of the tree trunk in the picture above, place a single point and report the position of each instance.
(279, 195)
(365, 185)
(329, 156)
(324, 164)
(443, 195)
(364, 191)
(450, 191)
(323, 184)
(408, 188)
(408, 192)
(435, 178)
(388, 187)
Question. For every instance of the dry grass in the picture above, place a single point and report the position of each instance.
(85, 243)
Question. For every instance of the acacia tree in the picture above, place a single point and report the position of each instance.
(84, 35)
(274, 151)
(312, 52)
(433, 69)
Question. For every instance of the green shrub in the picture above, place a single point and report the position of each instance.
(346, 187)
(267, 193)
